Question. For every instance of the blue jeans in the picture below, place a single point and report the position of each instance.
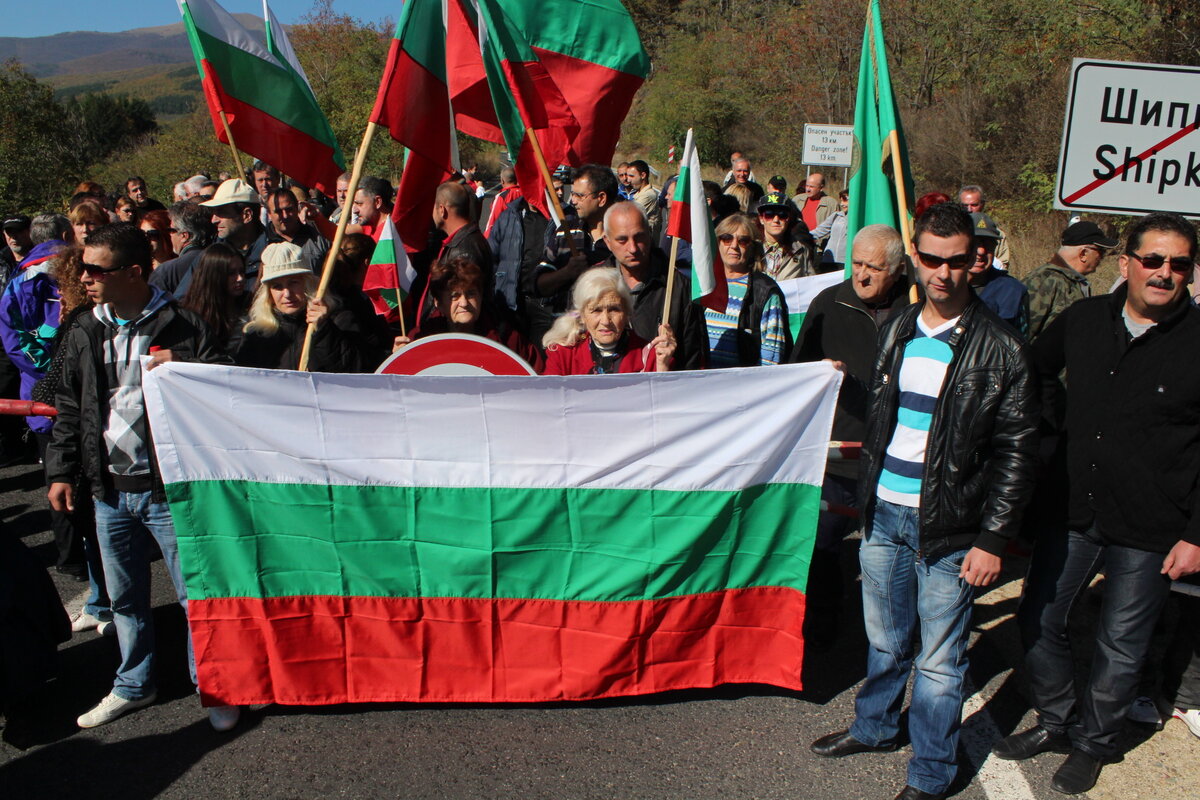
(1134, 593)
(900, 588)
(125, 521)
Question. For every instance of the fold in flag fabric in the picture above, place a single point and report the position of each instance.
(568, 69)
(872, 187)
(390, 275)
(800, 292)
(490, 539)
(691, 221)
(264, 93)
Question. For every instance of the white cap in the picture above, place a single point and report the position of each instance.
(232, 191)
(282, 260)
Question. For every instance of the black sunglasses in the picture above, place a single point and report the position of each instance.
(1154, 262)
(96, 269)
(954, 262)
(784, 214)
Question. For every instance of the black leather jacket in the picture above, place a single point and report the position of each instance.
(982, 446)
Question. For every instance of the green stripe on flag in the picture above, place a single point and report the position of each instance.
(250, 539)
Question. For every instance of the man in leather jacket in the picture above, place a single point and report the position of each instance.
(947, 468)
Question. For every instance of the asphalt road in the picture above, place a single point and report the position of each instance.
(734, 742)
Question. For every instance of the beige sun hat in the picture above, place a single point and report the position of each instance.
(232, 191)
(282, 260)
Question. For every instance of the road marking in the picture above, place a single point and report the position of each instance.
(1000, 779)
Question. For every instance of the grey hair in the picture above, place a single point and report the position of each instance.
(970, 187)
(508, 175)
(47, 227)
(194, 219)
(194, 184)
(886, 238)
(624, 206)
(179, 191)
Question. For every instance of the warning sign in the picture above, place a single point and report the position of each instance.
(1129, 142)
(828, 145)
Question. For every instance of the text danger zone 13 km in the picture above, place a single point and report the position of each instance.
(1129, 142)
(828, 145)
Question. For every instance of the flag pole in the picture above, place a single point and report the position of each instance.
(237, 159)
(541, 161)
(666, 315)
(334, 249)
(901, 202)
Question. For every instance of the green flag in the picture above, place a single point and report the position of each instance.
(872, 183)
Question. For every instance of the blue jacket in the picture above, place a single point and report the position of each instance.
(29, 319)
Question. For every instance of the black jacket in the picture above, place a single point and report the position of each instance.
(759, 289)
(686, 318)
(82, 397)
(1131, 417)
(982, 447)
(347, 340)
(839, 325)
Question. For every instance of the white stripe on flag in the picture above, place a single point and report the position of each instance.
(220, 24)
(800, 292)
(611, 431)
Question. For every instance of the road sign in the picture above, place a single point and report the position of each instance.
(455, 354)
(1129, 142)
(828, 145)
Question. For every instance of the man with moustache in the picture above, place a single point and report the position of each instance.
(1130, 413)
(946, 470)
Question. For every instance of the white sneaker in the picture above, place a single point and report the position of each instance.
(84, 621)
(1191, 718)
(223, 718)
(107, 628)
(111, 707)
(1144, 711)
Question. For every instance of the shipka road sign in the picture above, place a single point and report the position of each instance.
(1129, 142)
(828, 145)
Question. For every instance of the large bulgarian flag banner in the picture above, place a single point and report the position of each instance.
(263, 93)
(490, 539)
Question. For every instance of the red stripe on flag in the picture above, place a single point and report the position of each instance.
(413, 105)
(323, 650)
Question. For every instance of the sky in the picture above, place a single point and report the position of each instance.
(22, 18)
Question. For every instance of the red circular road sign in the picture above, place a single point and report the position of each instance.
(455, 354)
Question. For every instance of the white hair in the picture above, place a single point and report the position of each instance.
(887, 239)
(181, 192)
(194, 184)
(589, 288)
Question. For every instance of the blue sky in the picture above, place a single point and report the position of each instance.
(31, 19)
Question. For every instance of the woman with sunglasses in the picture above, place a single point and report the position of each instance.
(752, 330)
(790, 251)
(157, 227)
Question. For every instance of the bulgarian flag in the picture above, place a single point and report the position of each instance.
(433, 544)
(872, 178)
(691, 222)
(800, 292)
(390, 276)
(264, 95)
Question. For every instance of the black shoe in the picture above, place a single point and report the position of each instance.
(839, 744)
(1028, 744)
(1077, 774)
(75, 573)
(913, 793)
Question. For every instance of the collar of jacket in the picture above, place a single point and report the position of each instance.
(847, 296)
(1058, 265)
(1116, 302)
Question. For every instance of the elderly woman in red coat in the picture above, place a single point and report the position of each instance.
(595, 337)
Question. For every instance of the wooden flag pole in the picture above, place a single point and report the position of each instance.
(892, 151)
(541, 161)
(336, 247)
(399, 303)
(237, 158)
(666, 315)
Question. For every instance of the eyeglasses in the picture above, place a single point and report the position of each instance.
(743, 241)
(870, 266)
(1154, 262)
(581, 195)
(101, 273)
(784, 215)
(961, 261)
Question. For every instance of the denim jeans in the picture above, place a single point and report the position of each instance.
(125, 521)
(1134, 593)
(900, 588)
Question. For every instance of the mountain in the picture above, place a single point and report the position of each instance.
(154, 64)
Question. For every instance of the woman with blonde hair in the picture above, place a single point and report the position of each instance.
(752, 330)
(595, 337)
(85, 218)
(743, 194)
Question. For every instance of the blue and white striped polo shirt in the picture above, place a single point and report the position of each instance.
(922, 372)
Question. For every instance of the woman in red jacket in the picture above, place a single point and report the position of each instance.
(595, 337)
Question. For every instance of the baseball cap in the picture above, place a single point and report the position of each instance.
(1087, 233)
(985, 227)
(773, 200)
(282, 260)
(16, 222)
(232, 191)
(780, 181)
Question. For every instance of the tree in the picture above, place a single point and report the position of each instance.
(36, 164)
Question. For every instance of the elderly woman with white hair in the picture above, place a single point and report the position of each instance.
(595, 337)
(842, 325)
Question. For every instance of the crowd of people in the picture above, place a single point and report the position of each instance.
(994, 414)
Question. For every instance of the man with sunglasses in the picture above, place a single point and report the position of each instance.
(102, 433)
(1061, 281)
(946, 470)
(786, 253)
(1130, 413)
